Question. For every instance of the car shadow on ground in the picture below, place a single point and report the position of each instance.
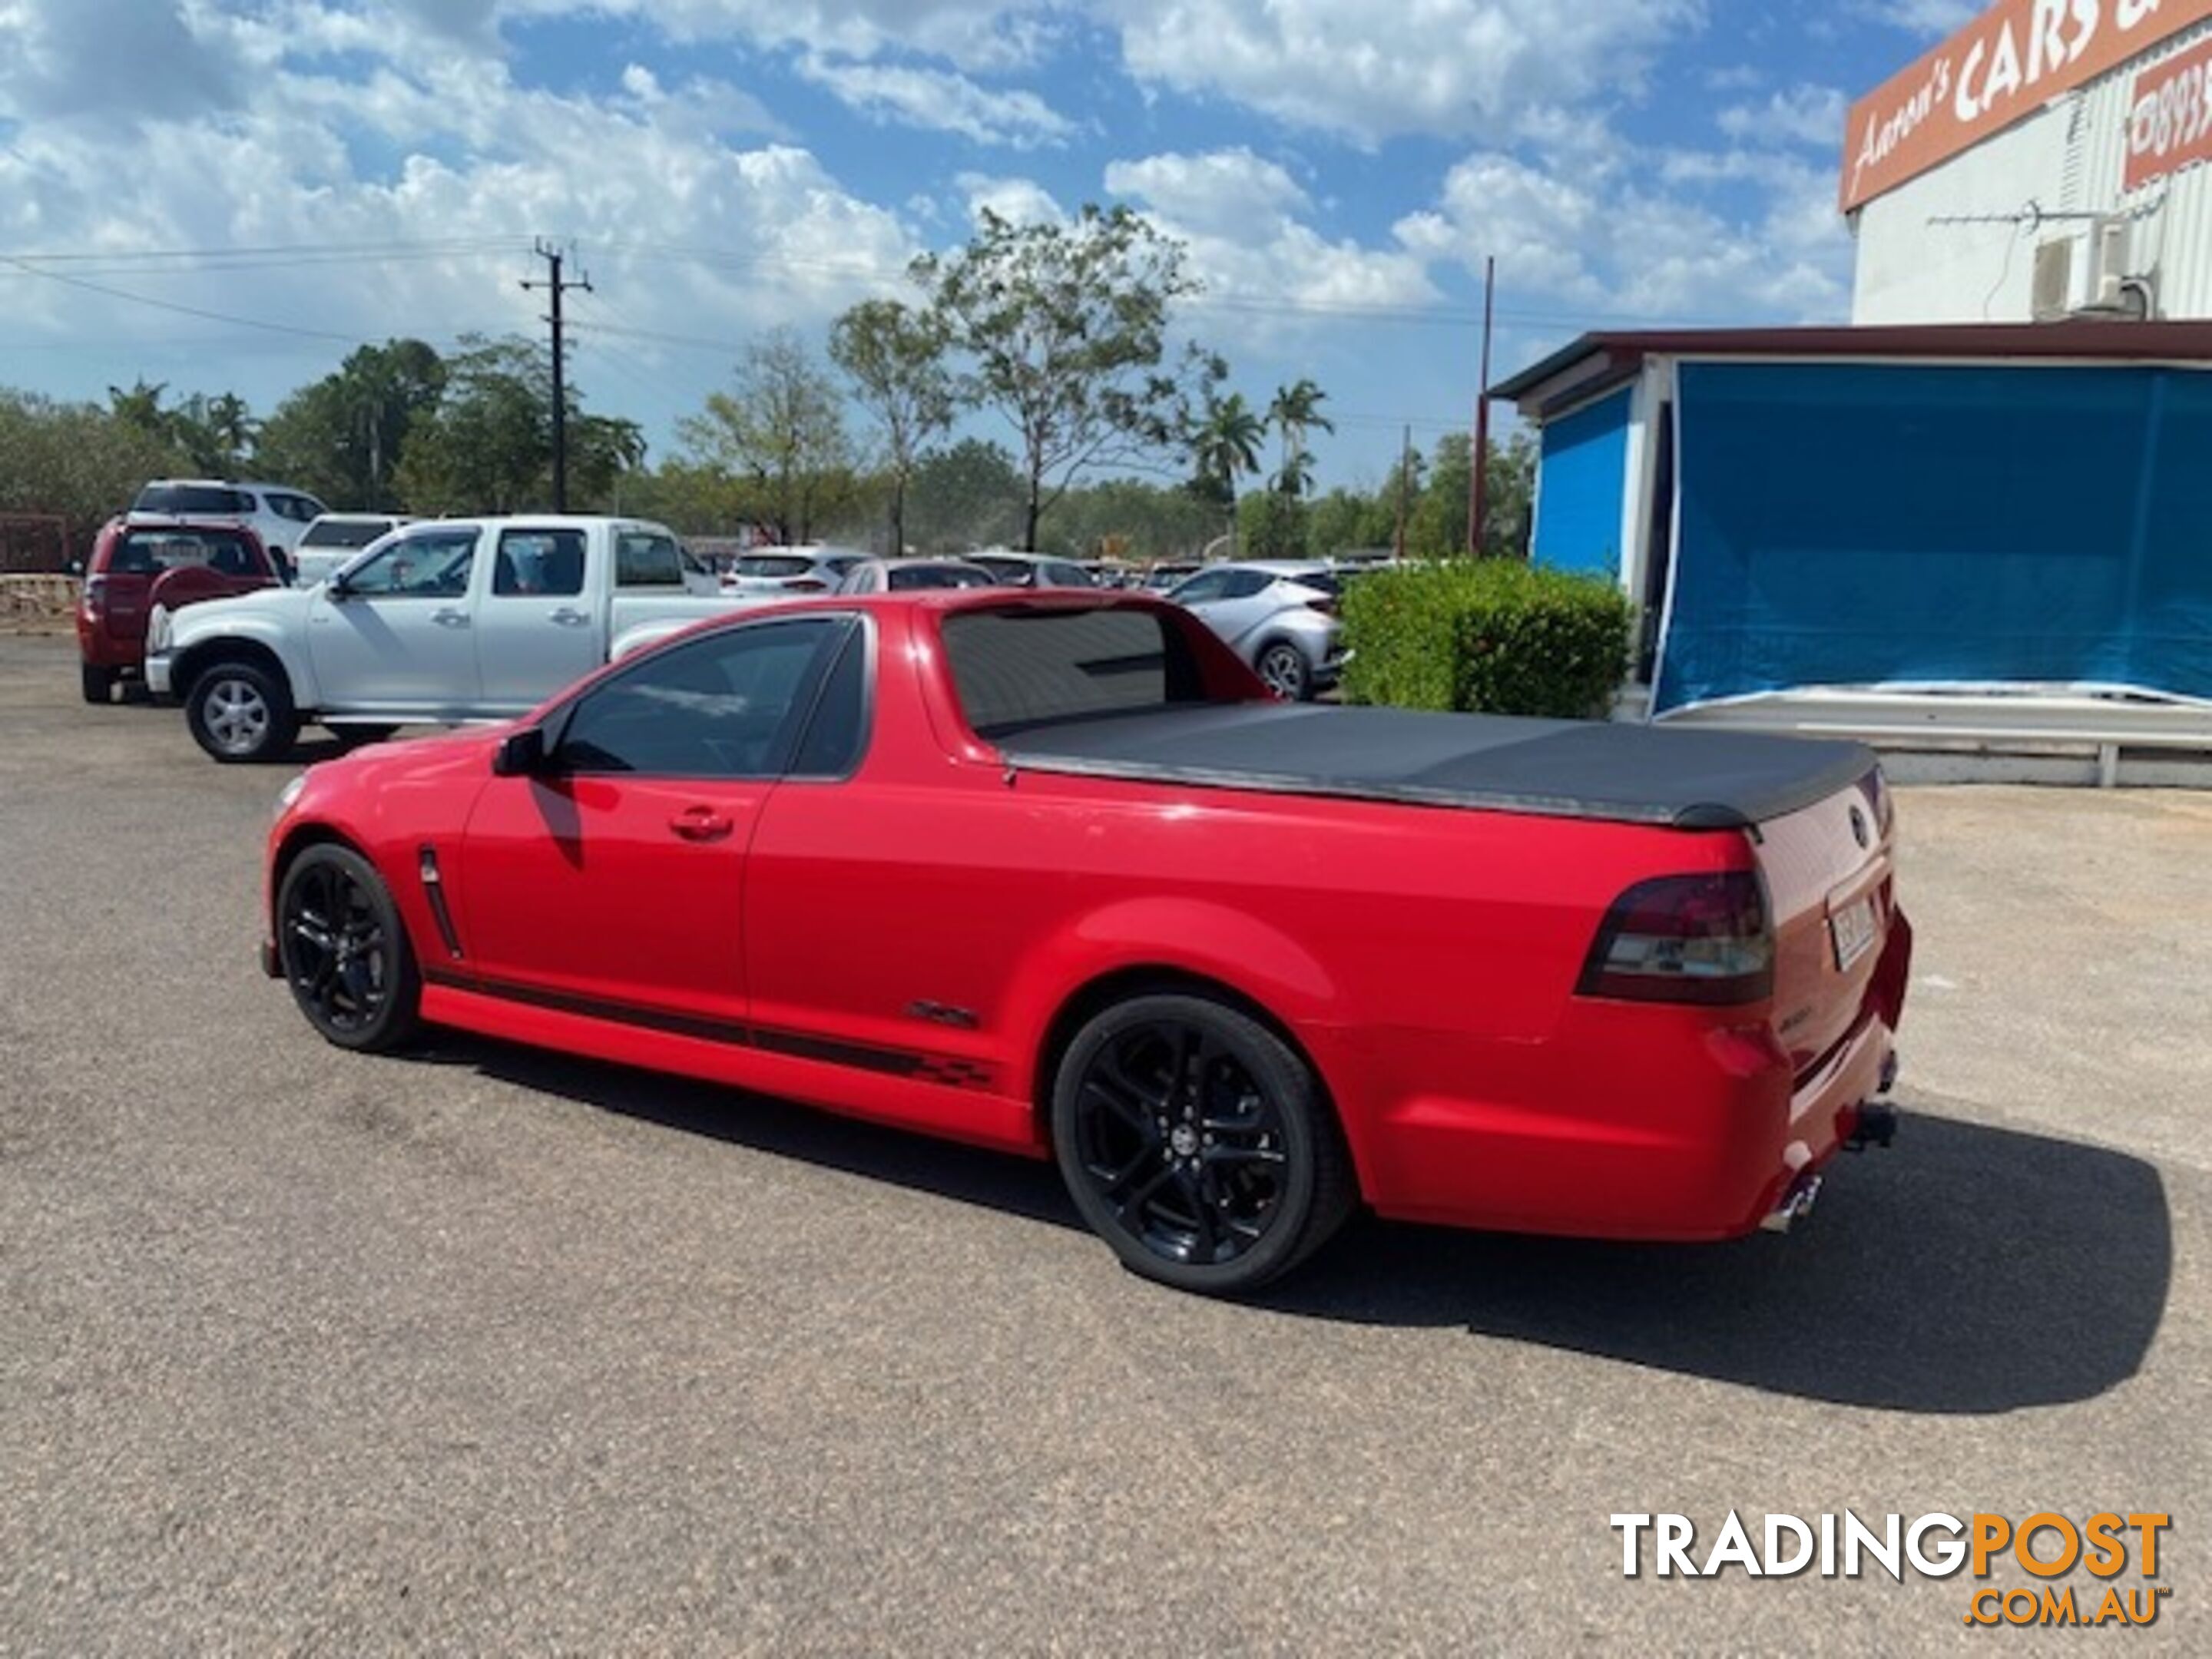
(1969, 1269)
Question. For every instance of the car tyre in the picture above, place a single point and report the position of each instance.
(1198, 1144)
(240, 712)
(1283, 668)
(97, 683)
(345, 951)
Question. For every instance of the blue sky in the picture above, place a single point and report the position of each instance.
(303, 174)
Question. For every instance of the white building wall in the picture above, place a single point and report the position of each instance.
(2067, 158)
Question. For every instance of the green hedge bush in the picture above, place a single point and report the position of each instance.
(1491, 636)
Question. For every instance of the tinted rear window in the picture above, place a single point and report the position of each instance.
(1014, 670)
(149, 552)
(193, 498)
(358, 532)
(764, 564)
(905, 578)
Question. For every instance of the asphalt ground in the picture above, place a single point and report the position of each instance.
(483, 1350)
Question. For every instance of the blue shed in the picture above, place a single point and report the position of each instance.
(1910, 515)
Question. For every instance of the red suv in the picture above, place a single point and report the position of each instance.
(137, 565)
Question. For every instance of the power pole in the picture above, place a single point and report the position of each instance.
(1478, 489)
(555, 285)
(1405, 477)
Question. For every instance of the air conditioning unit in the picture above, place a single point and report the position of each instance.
(2108, 261)
(2053, 294)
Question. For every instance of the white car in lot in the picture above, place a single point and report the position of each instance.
(814, 569)
(332, 540)
(445, 621)
(1279, 615)
(275, 512)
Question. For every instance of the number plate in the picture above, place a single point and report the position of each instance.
(1852, 928)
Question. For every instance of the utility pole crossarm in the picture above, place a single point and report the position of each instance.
(556, 285)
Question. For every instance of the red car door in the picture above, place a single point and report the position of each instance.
(610, 882)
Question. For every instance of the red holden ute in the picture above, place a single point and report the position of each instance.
(141, 562)
(1053, 872)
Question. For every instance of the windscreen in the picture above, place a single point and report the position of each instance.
(150, 552)
(203, 499)
(1017, 669)
(344, 532)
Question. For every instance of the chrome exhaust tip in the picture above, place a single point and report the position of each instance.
(1796, 1203)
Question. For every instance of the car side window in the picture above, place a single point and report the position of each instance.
(538, 564)
(726, 706)
(837, 731)
(644, 560)
(1244, 584)
(1213, 584)
(432, 565)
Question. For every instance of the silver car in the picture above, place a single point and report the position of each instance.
(913, 575)
(809, 569)
(1278, 615)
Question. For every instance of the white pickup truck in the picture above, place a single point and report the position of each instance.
(445, 621)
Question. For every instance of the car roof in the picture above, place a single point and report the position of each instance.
(1276, 567)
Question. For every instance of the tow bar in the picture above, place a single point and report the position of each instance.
(1876, 1127)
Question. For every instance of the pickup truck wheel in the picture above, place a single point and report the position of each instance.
(239, 711)
(344, 951)
(98, 683)
(1198, 1143)
(1282, 665)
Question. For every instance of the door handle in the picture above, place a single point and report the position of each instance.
(701, 824)
(450, 619)
(568, 616)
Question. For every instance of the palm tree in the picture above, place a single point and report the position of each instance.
(1296, 411)
(1225, 446)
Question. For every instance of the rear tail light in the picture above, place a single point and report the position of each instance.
(1703, 939)
(96, 596)
(1878, 797)
(1326, 607)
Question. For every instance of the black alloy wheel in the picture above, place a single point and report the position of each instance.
(344, 951)
(1197, 1143)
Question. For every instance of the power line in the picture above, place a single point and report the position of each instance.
(182, 310)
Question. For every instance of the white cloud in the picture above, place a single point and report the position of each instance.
(940, 101)
(973, 35)
(1614, 248)
(1804, 114)
(1934, 18)
(1264, 268)
(1019, 201)
(1459, 67)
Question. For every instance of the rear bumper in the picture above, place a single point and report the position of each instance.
(1637, 1122)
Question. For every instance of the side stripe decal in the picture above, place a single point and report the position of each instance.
(948, 1070)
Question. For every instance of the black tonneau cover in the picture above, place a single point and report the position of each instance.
(1684, 778)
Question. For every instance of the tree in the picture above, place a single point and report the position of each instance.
(488, 445)
(895, 357)
(1064, 328)
(782, 428)
(969, 495)
(1295, 412)
(77, 462)
(342, 437)
(1225, 445)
